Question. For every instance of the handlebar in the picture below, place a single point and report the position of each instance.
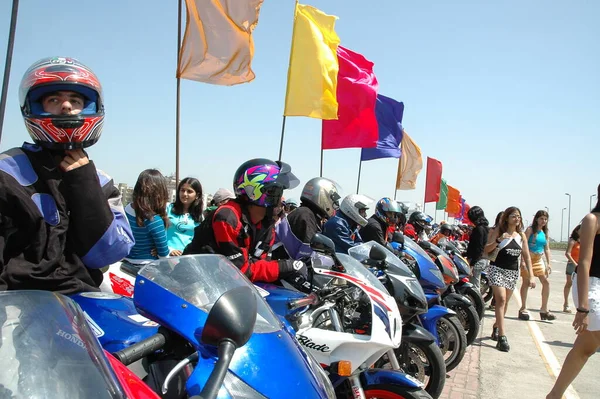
(311, 299)
(142, 349)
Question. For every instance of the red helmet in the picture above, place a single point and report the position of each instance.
(53, 74)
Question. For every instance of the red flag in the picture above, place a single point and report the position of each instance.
(433, 181)
(465, 218)
(356, 126)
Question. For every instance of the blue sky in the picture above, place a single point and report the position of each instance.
(506, 94)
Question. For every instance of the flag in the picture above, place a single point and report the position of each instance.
(357, 85)
(453, 206)
(217, 44)
(443, 201)
(465, 213)
(389, 114)
(409, 164)
(433, 180)
(313, 69)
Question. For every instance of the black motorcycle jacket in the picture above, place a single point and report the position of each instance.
(57, 229)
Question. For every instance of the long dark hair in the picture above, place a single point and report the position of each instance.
(498, 218)
(196, 207)
(575, 233)
(150, 196)
(597, 207)
(535, 228)
(503, 227)
(477, 216)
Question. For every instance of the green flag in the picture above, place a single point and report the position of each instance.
(441, 204)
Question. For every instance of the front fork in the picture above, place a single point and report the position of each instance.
(357, 389)
(355, 384)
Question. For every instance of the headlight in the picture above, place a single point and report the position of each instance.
(321, 375)
(239, 389)
(438, 274)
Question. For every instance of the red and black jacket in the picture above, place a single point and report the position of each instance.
(245, 244)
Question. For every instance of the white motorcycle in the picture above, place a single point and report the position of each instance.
(347, 324)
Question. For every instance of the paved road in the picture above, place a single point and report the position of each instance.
(538, 349)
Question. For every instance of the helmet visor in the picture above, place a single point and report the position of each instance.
(285, 177)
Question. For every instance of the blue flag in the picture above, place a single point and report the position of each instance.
(389, 120)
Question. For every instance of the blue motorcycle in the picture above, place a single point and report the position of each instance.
(465, 309)
(177, 335)
(418, 354)
(439, 320)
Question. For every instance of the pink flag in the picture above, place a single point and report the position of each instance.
(356, 126)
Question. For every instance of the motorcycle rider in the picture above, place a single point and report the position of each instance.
(385, 217)
(418, 227)
(443, 235)
(342, 228)
(61, 219)
(319, 201)
(242, 229)
(289, 205)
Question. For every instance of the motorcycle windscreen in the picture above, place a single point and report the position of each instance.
(199, 280)
(361, 254)
(49, 351)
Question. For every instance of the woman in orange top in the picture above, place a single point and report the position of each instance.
(572, 254)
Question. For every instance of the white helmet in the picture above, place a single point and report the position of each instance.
(352, 205)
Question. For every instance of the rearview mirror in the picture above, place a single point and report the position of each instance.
(398, 237)
(322, 244)
(377, 253)
(231, 318)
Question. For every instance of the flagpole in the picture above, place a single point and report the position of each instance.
(178, 104)
(321, 170)
(287, 90)
(358, 180)
(8, 62)
(397, 173)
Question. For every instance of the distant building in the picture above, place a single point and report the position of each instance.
(171, 187)
(126, 193)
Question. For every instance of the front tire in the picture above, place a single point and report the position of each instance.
(486, 289)
(476, 299)
(423, 361)
(470, 321)
(452, 339)
(389, 391)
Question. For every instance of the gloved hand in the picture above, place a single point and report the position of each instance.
(288, 267)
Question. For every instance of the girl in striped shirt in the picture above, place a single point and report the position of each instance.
(148, 218)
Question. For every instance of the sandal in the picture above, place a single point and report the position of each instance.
(547, 316)
(523, 314)
(567, 309)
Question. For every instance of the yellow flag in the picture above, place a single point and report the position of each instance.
(217, 45)
(313, 70)
(409, 164)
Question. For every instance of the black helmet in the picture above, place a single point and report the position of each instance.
(261, 181)
(446, 229)
(420, 221)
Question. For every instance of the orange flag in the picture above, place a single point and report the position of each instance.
(409, 164)
(217, 45)
(453, 207)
